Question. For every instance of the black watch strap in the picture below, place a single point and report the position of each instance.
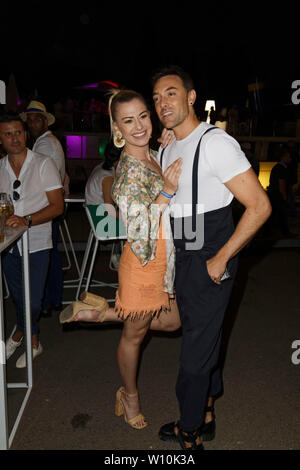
(28, 218)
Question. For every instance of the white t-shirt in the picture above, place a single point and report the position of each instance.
(220, 159)
(38, 175)
(93, 188)
(48, 144)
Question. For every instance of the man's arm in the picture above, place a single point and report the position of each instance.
(247, 189)
(54, 209)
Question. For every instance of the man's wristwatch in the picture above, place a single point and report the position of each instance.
(28, 219)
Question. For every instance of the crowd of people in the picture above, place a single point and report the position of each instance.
(178, 265)
(82, 114)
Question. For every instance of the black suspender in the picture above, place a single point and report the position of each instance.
(161, 156)
(195, 179)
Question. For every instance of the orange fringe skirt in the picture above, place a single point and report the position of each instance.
(140, 289)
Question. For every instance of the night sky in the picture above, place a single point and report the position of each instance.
(53, 49)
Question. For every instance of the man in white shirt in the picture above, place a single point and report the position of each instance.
(45, 142)
(214, 170)
(38, 120)
(35, 185)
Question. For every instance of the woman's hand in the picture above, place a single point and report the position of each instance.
(171, 176)
(167, 136)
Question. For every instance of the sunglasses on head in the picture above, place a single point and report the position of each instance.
(16, 185)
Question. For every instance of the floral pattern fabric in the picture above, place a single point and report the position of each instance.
(134, 190)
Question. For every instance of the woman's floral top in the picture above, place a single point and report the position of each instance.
(134, 190)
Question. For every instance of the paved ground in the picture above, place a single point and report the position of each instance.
(75, 379)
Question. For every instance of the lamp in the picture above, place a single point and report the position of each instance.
(208, 105)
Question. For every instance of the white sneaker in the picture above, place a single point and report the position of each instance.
(11, 345)
(21, 362)
(114, 260)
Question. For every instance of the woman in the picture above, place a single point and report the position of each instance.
(145, 298)
(98, 189)
(99, 184)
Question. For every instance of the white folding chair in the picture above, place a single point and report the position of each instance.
(63, 227)
(103, 228)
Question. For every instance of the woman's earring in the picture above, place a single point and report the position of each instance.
(119, 142)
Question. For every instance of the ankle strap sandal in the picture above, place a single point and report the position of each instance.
(191, 438)
(210, 409)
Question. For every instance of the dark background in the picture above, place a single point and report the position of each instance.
(54, 47)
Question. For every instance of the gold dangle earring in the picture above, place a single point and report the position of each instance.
(119, 142)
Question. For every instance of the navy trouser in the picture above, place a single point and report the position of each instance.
(12, 267)
(54, 281)
(202, 304)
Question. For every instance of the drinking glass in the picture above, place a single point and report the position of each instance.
(6, 210)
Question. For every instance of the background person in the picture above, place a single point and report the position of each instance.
(38, 120)
(253, 160)
(292, 177)
(278, 194)
(99, 185)
(100, 182)
(34, 183)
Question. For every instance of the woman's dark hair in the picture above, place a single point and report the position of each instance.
(11, 117)
(111, 155)
(173, 70)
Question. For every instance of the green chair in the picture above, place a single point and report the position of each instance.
(103, 228)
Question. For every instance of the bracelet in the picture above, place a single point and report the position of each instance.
(167, 195)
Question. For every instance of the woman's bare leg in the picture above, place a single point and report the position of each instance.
(128, 355)
(167, 321)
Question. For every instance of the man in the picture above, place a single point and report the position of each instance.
(38, 121)
(35, 186)
(292, 176)
(246, 147)
(278, 192)
(209, 180)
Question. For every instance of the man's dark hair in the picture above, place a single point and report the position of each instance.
(173, 70)
(11, 117)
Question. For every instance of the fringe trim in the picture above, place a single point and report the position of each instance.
(124, 313)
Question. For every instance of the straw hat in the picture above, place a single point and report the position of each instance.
(37, 107)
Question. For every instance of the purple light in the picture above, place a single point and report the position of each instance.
(75, 146)
(92, 85)
(103, 82)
